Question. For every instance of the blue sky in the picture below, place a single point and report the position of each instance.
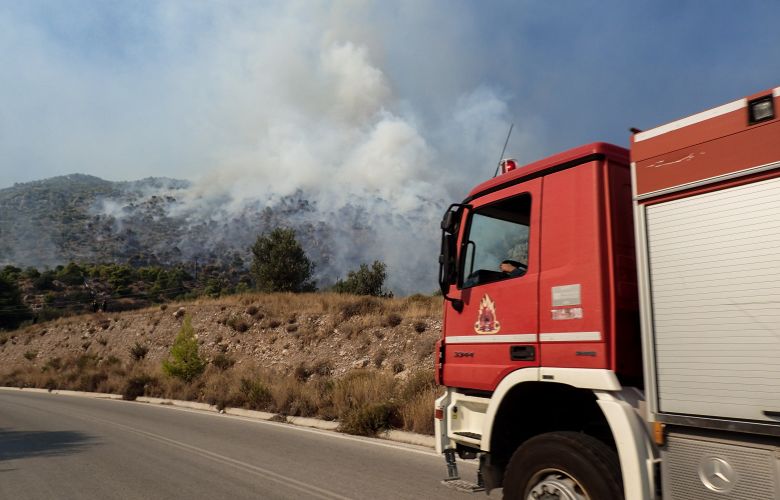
(303, 93)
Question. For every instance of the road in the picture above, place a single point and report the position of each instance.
(65, 447)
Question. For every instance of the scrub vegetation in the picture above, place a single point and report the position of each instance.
(364, 361)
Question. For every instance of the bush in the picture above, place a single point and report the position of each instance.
(138, 351)
(323, 367)
(256, 393)
(303, 372)
(280, 264)
(135, 387)
(13, 312)
(419, 382)
(360, 307)
(184, 361)
(379, 357)
(53, 364)
(419, 326)
(223, 361)
(370, 419)
(365, 281)
(237, 324)
(30, 355)
(392, 320)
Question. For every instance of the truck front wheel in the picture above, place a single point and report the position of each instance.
(563, 466)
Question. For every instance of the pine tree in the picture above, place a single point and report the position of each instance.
(184, 361)
(12, 310)
(280, 264)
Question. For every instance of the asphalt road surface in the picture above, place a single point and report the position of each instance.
(65, 447)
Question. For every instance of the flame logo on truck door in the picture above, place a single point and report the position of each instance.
(487, 321)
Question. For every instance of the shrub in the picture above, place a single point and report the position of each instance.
(184, 361)
(13, 311)
(30, 355)
(252, 310)
(392, 320)
(379, 357)
(112, 360)
(53, 364)
(360, 307)
(237, 324)
(280, 264)
(86, 361)
(417, 413)
(360, 388)
(419, 326)
(223, 361)
(424, 347)
(370, 419)
(135, 387)
(138, 351)
(419, 382)
(256, 393)
(365, 281)
(303, 372)
(323, 367)
(89, 382)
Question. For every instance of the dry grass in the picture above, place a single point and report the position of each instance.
(364, 401)
(332, 356)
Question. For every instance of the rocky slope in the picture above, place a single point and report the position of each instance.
(284, 332)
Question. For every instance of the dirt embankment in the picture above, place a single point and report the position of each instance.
(327, 355)
(278, 331)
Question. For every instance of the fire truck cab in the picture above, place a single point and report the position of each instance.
(579, 364)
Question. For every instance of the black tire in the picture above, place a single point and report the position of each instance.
(585, 464)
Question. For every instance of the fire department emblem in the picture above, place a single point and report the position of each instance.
(487, 322)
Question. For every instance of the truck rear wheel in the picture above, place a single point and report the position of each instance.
(563, 466)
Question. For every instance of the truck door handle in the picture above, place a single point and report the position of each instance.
(522, 352)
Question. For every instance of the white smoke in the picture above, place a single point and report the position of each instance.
(261, 102)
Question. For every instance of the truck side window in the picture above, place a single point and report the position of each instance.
(497, 233)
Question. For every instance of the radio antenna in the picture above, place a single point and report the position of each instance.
(504, 150)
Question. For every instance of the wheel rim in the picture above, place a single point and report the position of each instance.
(553, 484)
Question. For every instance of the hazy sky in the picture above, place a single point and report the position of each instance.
(376, 94)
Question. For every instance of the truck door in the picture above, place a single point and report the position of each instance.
(496, 332)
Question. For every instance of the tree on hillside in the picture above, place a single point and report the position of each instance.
(365, 281)
(185, 361)
(12, 310)
(280, 264)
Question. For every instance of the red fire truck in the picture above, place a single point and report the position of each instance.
(612, 318)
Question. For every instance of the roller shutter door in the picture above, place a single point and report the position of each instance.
(715, 291)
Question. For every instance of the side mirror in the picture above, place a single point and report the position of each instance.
(447, 268)
(449, 222)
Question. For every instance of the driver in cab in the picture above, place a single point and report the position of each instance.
(512, 268)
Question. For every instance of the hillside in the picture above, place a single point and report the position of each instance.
(170, 223)
(305, 353)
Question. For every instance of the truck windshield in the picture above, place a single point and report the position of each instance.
(497, 234)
